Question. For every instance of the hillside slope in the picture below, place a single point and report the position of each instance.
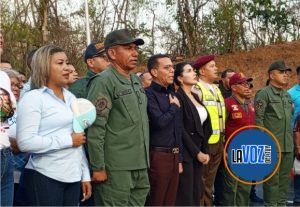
(255, 62)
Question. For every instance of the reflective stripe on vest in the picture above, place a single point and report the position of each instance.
(217, 118)
(212, 103)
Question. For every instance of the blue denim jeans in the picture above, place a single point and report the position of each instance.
(20, 198)
(20, 160)
(41, 190)
(7, 177)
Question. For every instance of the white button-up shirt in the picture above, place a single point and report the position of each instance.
(44, 128)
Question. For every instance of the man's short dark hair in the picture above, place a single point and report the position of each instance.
(224, 73)
(298, 69)
(152, 62)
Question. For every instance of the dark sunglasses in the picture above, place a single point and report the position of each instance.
(246, 84)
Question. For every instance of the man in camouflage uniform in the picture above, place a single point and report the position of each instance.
(273, 110)
(96, 61)
(118, 141)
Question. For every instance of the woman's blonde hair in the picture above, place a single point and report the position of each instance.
(41, 65)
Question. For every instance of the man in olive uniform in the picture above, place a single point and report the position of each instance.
(118, 141)
(96, 60)
(273, 110)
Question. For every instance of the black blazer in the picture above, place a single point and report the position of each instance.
(195, 136)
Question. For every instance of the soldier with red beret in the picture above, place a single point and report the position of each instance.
(212, 98)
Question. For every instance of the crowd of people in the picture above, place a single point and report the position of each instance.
(158, 138)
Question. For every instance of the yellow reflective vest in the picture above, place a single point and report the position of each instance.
(215, 106)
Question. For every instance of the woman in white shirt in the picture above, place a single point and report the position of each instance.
(57, 164)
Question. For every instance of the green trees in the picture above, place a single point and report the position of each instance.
(178, 27)
(272, 20)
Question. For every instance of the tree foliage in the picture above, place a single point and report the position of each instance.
(176, 27)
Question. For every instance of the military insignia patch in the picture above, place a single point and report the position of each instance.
(99, 46)
(259, 105)
(235, 107)
(237, 115)
(101, 104)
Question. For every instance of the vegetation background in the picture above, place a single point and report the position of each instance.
(246, 35)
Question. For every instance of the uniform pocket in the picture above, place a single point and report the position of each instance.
(132, 108)
(125, 108)
(119, 117)
(289, 109)
(276, 105)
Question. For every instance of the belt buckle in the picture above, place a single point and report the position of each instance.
(175, 150)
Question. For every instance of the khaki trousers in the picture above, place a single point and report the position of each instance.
(210, 171)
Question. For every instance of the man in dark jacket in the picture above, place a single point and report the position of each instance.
(165, 132)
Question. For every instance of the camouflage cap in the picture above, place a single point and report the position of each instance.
(279, 65)
(121, 37)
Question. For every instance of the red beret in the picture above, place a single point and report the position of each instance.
(239, 78)
(202, 61)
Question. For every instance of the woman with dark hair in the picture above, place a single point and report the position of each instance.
(196, 131)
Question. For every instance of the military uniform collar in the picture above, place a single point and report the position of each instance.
(235, 98)
(121, 77)
(90, 73)
(275, 90)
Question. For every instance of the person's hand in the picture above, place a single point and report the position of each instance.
(206, 159)
(86, 190)
(203, 158)
(99, 176)
(78, 139)
(14, 146)
(180, 168)
(174, 99)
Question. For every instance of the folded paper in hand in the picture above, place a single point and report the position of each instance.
(84, 114)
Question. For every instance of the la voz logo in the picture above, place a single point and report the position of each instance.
(253, 154)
